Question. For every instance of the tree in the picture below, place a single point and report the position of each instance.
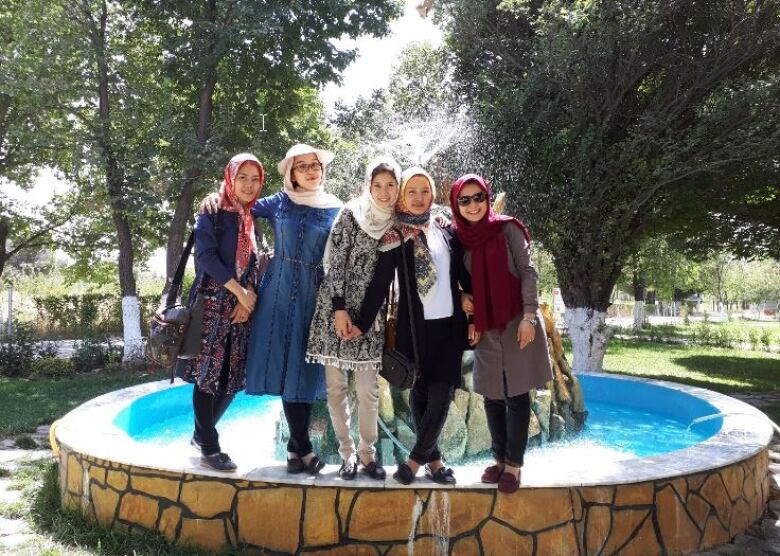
(600, 117)
(237, 68)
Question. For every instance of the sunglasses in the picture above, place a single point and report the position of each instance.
(465, 200)
(303, 167)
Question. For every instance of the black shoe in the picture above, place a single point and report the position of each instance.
(295, 465)
(348, 470)
(375, 471)
(314, 466)
(219, 462)
(404, 474)
(443, 475)
(195, 444)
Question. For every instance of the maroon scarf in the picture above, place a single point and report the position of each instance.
(497, 294)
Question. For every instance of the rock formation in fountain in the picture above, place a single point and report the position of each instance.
(557, 412)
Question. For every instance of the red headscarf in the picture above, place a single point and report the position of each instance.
(229, 202)
(497, 294)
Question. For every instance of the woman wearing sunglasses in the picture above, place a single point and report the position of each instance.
(433, 258)
(510, 355)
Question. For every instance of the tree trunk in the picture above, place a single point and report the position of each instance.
(586, 314)
(639, 301)
(131, 314)
(4, 231)
(183, 209)
(589, 336)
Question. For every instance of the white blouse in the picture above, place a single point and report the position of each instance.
(438, 303)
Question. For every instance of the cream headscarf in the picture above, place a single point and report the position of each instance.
(317, 198)
(372, 218)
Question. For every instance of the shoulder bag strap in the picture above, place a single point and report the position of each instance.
(405, 270)
(175, 287)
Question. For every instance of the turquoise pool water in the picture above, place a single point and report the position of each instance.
(626, 418)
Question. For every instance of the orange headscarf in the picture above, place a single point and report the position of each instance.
(229, 202)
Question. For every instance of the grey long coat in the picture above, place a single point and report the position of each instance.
(498, 355)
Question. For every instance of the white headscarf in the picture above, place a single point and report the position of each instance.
(372, 218)
(317, 198)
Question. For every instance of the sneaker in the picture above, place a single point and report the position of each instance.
(375, 471)
(219, 462)
(348, 470)
(195, 444)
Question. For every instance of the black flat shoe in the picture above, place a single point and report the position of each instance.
(404, 474)
(219, 462)
(295, 465)
(348, 471)
(314, 466)
(443, 475)
(375, 471)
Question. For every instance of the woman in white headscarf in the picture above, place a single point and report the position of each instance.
(350, 258)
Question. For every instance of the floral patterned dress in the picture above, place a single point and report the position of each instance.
(353, 258)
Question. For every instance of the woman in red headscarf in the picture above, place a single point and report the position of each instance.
(226, 276)
(510, 354)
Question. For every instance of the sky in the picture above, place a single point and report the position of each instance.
(370, 71)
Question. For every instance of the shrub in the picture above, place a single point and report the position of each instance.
(93, 352)
(25, 442)
(766, 339)
(722, 338)
(753, 338)
(18, 352)
(52, 367)
(704, 334)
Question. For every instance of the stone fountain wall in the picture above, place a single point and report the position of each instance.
(558, 411)
(666, 516)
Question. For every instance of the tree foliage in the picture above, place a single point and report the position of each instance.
(606, 118)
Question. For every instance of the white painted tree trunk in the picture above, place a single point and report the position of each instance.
(639, 314)
(131, 323)
(589, 336)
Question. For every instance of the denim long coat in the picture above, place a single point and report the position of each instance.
(286, 299)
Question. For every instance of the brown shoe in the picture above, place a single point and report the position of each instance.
(492, 474)
(508, 483)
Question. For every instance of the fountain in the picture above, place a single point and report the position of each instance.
(658, 467)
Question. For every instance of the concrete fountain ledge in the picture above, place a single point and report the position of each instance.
(683, 501)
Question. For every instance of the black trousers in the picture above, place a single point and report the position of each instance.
(507, 422)
(434, 390)
(209, 408)
(430, 405)
(298, 415)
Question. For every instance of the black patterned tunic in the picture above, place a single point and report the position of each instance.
(353, 256)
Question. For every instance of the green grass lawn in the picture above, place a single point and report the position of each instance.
(720, 369)
(28, 403)
(738, 330)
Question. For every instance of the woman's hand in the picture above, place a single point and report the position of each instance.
(442, 220)
(239, 314)
(247, 299)
(467, 303)
(474, 335)
(210, 204)
(526, 332)
(355, 333)
(342, 324)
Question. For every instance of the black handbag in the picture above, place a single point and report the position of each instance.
(397, 368)
(175, 329)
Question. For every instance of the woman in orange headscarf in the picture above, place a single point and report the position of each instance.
(226, 277)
